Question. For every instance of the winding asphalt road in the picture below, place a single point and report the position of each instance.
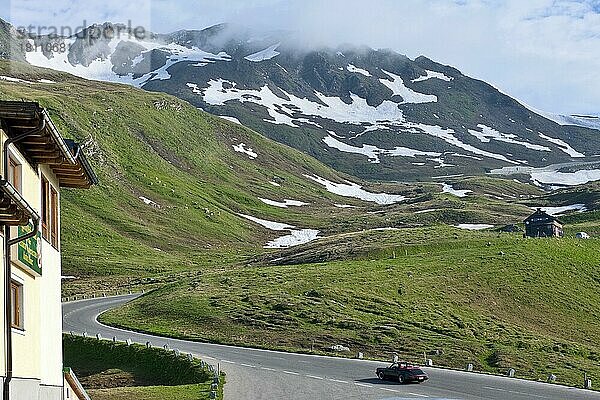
(270, 375)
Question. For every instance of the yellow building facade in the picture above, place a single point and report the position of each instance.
(36, 163)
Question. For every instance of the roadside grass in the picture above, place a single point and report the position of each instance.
(182, 392)
(498, 301)
(117, 371)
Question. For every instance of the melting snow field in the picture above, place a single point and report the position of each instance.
(474, 227)
(295, 237)
(283, 204)
(556, 211)
(397, 86)
(565, 147)
(550, 175)
(241, 148)
(446, 188)
(350, 189)
(487, 134)
(149, 202)
(352, 68)
(265, 54)
(102, 70)
(433, 75)
(373, 152)
(279, 109)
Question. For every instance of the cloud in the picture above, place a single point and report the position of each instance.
(544, 52)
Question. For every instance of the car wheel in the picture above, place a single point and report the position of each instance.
(380, 375)
(400, 379)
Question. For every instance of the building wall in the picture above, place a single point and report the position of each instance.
(37, 350)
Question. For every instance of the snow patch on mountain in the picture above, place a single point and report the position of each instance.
(294, 238)
(241, 148)
(552, 175)
(487, 134)
(397, 86)
(283, 204)
(274, 226)
(353, 68)
(373, 152)
(358, 111)
(265, 54)
(563, 146)
(433, 75)
(557, 211)
(447, 188)
(474, 227)
(447, 135)
(103, 69)
(350, 189)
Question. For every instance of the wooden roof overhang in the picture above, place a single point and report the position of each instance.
(45, 145)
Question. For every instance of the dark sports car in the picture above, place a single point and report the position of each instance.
(402, 373)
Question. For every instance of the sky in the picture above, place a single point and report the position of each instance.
(543, 52)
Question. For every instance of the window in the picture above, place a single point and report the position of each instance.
(16, 296)
(13, 175)
(50, 216)
(54, 217)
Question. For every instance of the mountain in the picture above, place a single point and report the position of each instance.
(180, 188)
(375, 114)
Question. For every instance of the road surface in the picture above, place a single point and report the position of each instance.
(254, 374)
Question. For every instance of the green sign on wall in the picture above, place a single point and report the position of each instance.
(28, 251)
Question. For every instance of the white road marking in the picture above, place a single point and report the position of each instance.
(493, 388)
(314, 377)
(417, 394)
(514, 392)
(363, 384)
(247, 365)
(389, 390)
(228, 362)
(336, 380)
(268, 369)
(290, 373)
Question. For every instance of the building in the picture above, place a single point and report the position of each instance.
(36, 163)
(542, 224)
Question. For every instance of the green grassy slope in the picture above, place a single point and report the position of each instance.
(496, 300)
(163, 149)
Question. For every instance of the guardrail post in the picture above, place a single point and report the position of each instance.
(587, 382)
(429, 362)
(511, 373)
(148, 344)
(129, 341)
(84, 334)
(176, 352)
(190, 357)
(166, 346)
(360, 355)
(469, 367)
(114, 339)
(551, 378)
(98, 336)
